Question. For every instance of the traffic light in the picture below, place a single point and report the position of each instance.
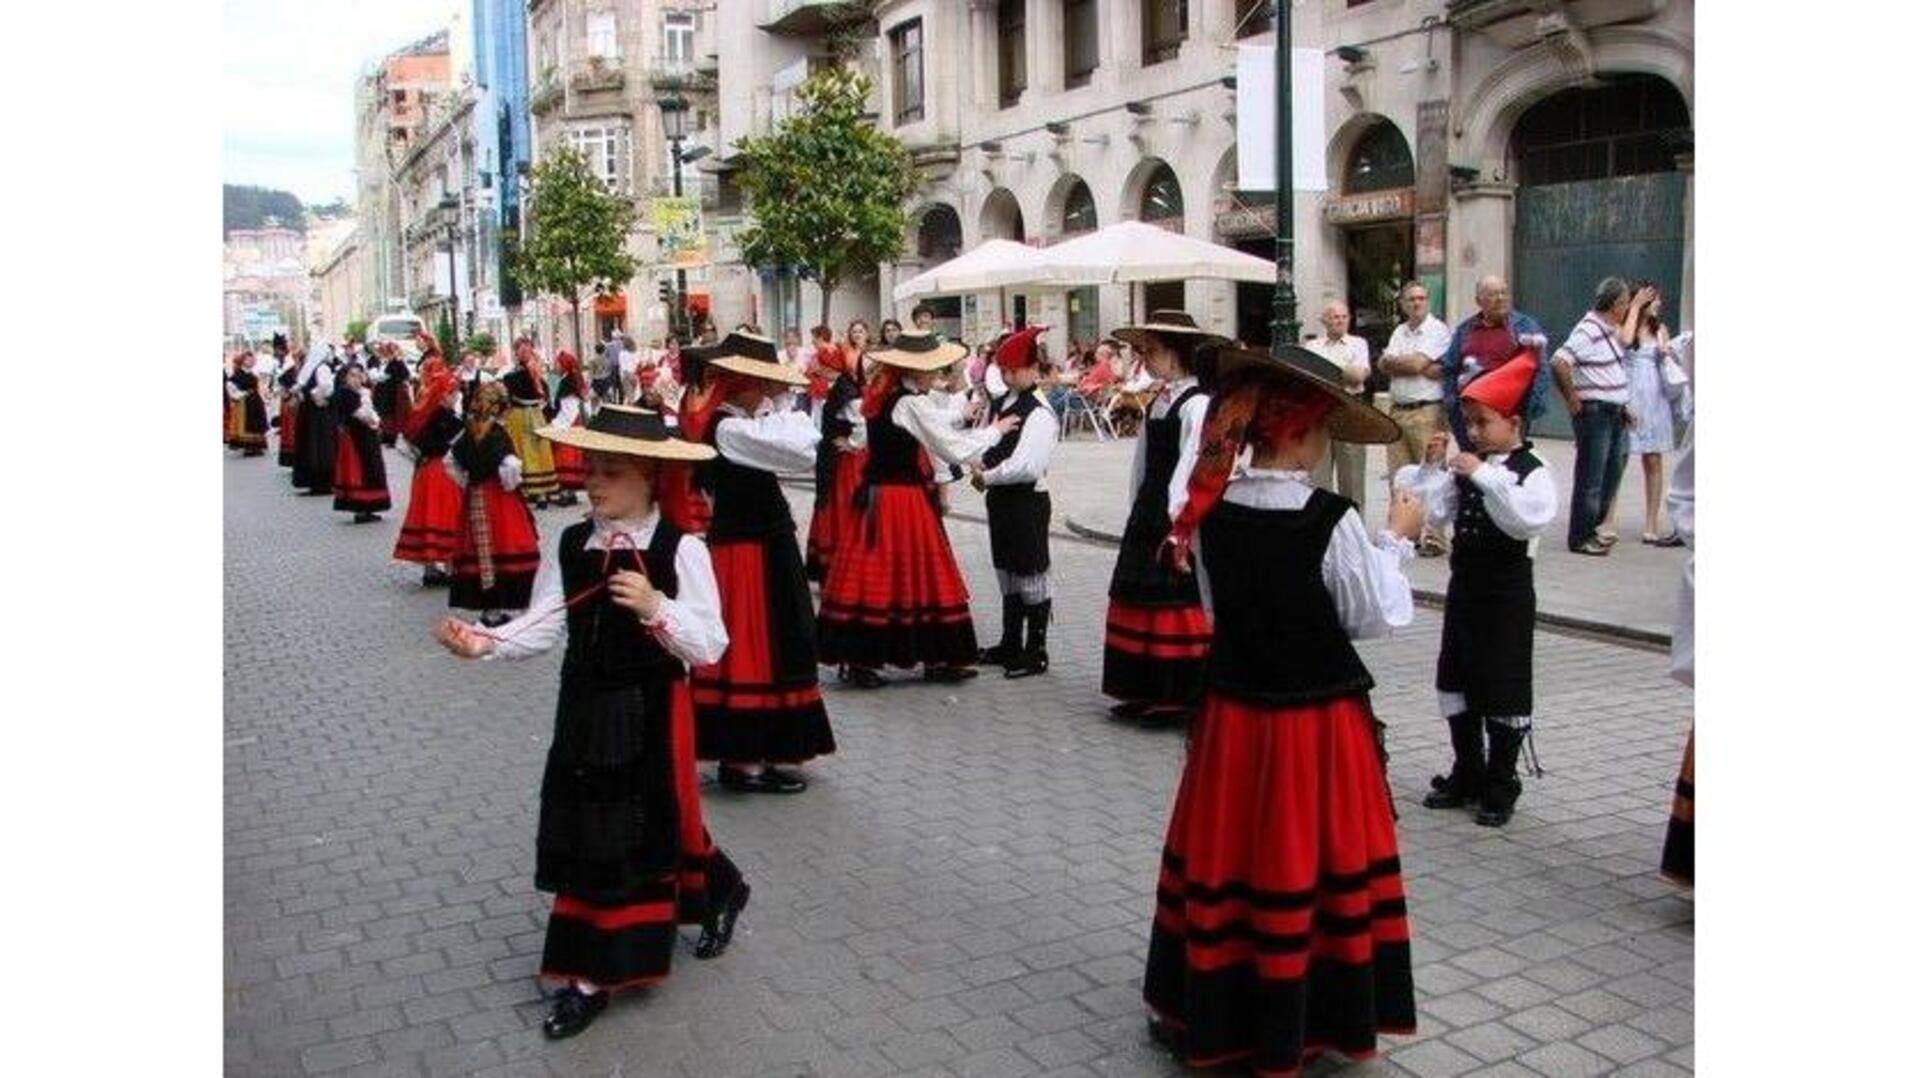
(666, 293)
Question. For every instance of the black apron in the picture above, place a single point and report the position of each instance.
(1140, 577)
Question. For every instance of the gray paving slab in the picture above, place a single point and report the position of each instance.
(966, 889)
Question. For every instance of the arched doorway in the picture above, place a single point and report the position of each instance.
(937, 239)
(1162, 203)
(1077, 216)
(1600, 194)
(1000, 217)
(1375, 216)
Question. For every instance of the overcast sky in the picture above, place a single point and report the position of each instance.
(288, 80)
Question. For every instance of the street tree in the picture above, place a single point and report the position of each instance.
(576, 234)
(828, 189)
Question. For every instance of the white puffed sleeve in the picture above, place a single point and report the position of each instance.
(234, 392)
(510, 472)
(322, 386)
(1433, 485)
(1369, 589)
(1193, 420)
(1032, 455)
(366, 413)
(778, 442)
(1521, 509)
(689, 624)
(541, 625)
(931, 425)
(568, 411)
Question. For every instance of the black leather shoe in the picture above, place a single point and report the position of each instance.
(769, 781)
(435, 577)
(1033, 662)
(717, 930)
(365, 518)
(1161, 716)
(998, 655)
(1128, 709)
(948, 675)
(862, 677)
(573, 1011)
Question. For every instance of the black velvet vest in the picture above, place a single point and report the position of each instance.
(1014, 404)
(893, 455)
(607, 646)
(747, 502)
(1476, 538)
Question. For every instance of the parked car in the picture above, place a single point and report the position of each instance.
(400, 328)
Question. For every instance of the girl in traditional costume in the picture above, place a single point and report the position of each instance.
(526, 386)
(392, 390)
(359, 470)
(894, 595)
(1157, 632)
(622, 845)
(1281, 930)
(499, 549)
(842, 458)
(318, 426)
(246, 409)
(430, 534)
(760, 706)
(569, 410)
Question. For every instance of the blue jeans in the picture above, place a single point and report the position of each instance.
(1600, 457)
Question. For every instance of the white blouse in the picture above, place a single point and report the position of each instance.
(935, 425)
(1193, 418)
(687, 625)
(778, 441)
(1370, 591)
(567, 412)
(1032, 455)
(1521, 510)
(510, 469)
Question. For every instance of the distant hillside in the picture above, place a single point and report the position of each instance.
(249, 207)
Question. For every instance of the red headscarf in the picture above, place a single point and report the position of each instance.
(698, 408)
(878, 390)
(569, 368)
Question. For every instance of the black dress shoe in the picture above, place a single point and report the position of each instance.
(862, 677)
(998, 655)
(573, 1011)
(949, 675)
(435, 577)
(365, 518)
(716, 931)
(1129, 709)
(775, 781)
(1160, 716)
(1027, 665)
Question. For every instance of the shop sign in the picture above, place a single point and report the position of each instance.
(1246, 221)
(1370, 207)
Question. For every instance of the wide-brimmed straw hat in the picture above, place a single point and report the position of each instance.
(1353, 419)
(1178, 325)
(754, 356)
(920, 350)
(633, 432)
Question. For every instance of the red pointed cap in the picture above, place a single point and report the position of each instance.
(1019, 350)
(1504, 389)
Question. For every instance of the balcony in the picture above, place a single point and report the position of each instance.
(548, 93)
(812, 18)
(598, 73)
(681, 73)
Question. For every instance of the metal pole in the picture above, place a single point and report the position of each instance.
(680, 275)
(1286, 320)
(453, 281)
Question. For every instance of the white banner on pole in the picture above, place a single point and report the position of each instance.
(1254, 109)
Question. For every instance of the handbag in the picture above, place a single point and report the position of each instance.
(1673, 377)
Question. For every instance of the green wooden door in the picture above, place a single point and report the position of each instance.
(1567, 236)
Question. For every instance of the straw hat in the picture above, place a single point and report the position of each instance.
(754, 356)
(1168, 323)
(920, 350)
(634, 432)
(1353, 420)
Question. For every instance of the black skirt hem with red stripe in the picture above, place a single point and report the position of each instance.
(1155, 653)
(359, 472)
(1676, 855)
(894, 595)
(431, 531)
(743, 725)
(762, 700)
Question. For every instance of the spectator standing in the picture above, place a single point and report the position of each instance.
(1650, 435)
(889, 332)
(1592, 378)
(1489, 337)
(1412, 364)
(1346, 462)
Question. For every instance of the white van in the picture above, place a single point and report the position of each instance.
(400, 328)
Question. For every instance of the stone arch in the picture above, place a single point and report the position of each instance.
(1070, 193)
(1484, 123)
(937, 233)
(1134, 188)
(1001, 217)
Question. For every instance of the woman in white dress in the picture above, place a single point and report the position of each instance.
(1646, 346)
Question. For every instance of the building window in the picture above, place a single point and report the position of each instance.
(1082, 21)
(603, 35)
(1078, 215)
(1381, 162)
(605, 149)
(1161, 200)
(1013, 51)
(1163, 26)
(1631, 125)
(1252, 17)
(677, 30)
(909, 75)
(939, 237)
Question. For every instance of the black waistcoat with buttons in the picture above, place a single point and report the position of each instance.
(607, 646)
(1477, 540)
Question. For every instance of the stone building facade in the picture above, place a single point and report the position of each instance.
(1550, 143)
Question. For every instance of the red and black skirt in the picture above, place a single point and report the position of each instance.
(1155, 654)
(1676, 858)
(431, 531)
(834, 514)
(761, 701)
(498, 552)
(894, 595)
(570, 466)
(359, 470)
(289, 418)
(1281, 929)
(619, 897)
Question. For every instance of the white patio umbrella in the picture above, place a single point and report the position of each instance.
(1133, 251)
(993, 264)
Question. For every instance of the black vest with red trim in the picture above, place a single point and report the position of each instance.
(747, 501)
(893, 454)
(607, 646)
(1277, 637)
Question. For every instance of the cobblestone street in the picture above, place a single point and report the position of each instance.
(965, 889)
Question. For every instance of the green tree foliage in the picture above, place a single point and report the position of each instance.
(443, 332)
(576, 234)
(249, 207)
(482, 344)
(828, 189)
(357, 331)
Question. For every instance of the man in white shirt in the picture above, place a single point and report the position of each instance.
(1346, 462)
(1593, 382)
(1412, 360)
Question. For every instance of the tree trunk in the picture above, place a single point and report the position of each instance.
(578, 351)
(826, 305)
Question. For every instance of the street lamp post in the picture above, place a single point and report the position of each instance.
(451, 205)
(673, 118)
(1286, 319)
